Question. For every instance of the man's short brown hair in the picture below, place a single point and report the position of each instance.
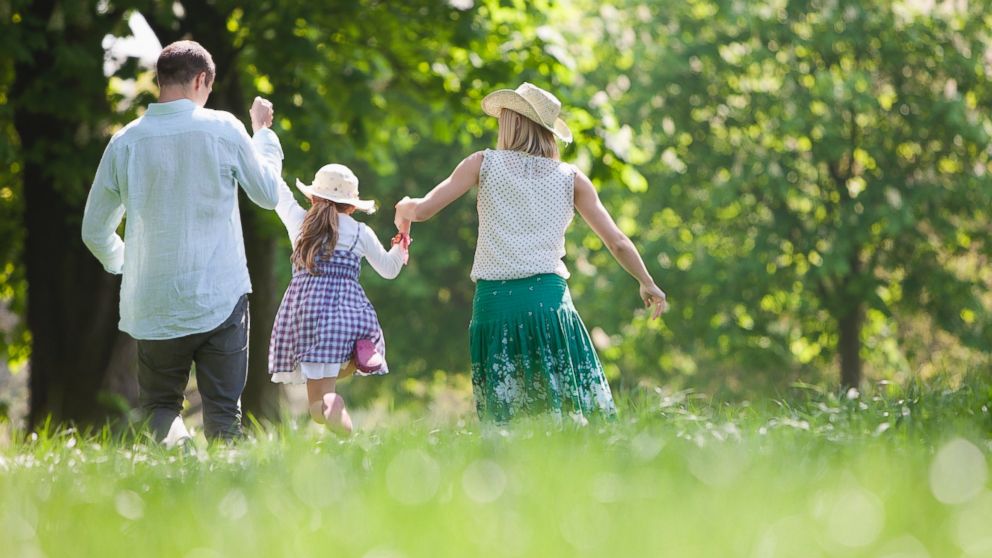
(182, 61)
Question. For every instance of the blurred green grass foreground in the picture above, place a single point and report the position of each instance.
(892, 472)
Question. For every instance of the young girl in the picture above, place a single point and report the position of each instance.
(326, 327)
(530, 350)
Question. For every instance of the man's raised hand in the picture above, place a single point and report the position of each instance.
(261, 114)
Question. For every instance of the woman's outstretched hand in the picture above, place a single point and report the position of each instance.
(653, 296)
(406, 210)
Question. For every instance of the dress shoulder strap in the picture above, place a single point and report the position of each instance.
(357, 236)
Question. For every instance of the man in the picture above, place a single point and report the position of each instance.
(175, 172)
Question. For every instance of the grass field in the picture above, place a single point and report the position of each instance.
(904, 473)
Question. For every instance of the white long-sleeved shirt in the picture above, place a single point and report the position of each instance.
(386, 263)
(175, 173)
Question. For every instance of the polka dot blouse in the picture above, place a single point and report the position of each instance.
(525, 204)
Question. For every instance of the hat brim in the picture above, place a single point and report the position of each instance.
(365, 206)
(496, 101)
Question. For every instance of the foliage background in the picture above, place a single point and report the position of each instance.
(808, 180)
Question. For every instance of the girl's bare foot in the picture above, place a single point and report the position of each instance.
(317, 412)
(336, 415)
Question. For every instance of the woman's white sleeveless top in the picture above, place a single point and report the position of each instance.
(525, 204)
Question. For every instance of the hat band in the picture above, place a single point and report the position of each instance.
(537, 113)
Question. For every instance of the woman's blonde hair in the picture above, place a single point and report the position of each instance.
(519, 133)
(318, 233)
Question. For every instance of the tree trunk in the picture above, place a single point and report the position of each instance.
(261, 397)
(72, 306)
(72, 315)
(849, 346)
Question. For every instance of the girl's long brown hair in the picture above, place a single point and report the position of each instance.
(318, 234)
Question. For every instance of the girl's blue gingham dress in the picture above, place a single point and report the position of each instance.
(322, 316)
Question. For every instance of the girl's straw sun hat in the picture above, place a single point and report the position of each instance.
(336, 183)
(534, 103)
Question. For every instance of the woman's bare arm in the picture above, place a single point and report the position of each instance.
(465, 175)
(591, 209)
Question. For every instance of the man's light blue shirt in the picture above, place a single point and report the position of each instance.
(175, 173)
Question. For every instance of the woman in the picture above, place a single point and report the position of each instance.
(530, 350)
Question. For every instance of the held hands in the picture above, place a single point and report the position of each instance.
(261, 114)
(404, 240)
(405, 207)
(653, 296)
(406, 210)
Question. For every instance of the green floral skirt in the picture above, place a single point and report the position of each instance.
(531, 352)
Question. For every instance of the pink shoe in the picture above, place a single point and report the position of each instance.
(367, 358)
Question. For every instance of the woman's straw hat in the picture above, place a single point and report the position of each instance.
(534, 103)
(336, 183)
